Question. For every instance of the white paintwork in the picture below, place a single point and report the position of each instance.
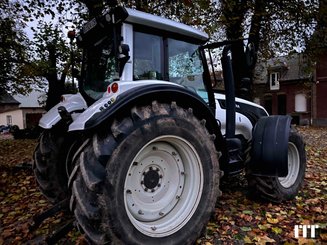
(72, 102)
(160, 23)
(127, 33)
(243, 124)
(79, 123)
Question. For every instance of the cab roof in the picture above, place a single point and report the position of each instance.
(160, 23)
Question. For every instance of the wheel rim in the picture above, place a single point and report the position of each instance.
(163, 186)
(293, 166)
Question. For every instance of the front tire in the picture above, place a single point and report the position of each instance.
(153, 177)
(50, 165)
(278, 189)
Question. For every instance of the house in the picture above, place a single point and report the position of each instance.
(319, 92)
(284, 86)
(23, 111)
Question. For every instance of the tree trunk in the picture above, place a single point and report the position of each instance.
(56, 86)
(233, 15)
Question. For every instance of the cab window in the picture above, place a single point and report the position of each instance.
(147, 56)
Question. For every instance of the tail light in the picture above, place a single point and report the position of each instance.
(113, 88)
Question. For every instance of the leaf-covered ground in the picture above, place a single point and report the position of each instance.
(237, 219)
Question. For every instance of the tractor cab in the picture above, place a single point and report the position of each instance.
(129, 46)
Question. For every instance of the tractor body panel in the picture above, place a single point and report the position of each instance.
(104, 105)
(246, 115)
(72, 103)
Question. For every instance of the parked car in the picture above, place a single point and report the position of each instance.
(5, 129)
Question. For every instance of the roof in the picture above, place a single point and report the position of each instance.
(291, 68)
(141, 18)
(6, 98)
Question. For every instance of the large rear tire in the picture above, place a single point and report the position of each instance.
(50, 165)
(278, 189)
(152, 177)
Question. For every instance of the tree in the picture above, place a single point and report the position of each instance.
(24, 63)
(52, 60)
(14, 52)
(317, 44)
(272, 26)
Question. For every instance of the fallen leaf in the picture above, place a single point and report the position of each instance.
(272, 220)
(249, 212)
(245, 228)
(263, 240)
(247, 239)
(277, 230)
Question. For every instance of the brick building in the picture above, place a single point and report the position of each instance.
(319, 90)
(287, 86)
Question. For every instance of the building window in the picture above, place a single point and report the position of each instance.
(300, 103)
(274, 80)
(9, 120)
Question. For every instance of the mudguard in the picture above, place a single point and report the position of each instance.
(99, 114)
(72, 102)
(269, 154)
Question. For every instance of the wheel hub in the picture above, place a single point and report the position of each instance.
(151, 179)
(154, 182)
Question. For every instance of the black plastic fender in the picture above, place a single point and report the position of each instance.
(164, 93)
(269, 153)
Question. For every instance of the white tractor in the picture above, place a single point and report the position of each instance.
(139, 152)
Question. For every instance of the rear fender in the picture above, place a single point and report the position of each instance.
(269, 154)
(94, 117)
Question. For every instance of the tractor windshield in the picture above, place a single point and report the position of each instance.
(99, 68)
(185, 66)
